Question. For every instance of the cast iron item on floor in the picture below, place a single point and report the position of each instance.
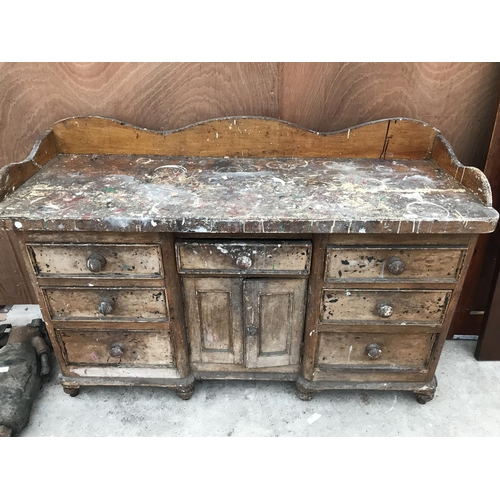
(24, 361)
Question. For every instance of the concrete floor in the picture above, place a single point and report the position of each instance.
(467, 403)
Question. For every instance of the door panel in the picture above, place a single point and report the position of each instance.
(274, 320)
(214, 319)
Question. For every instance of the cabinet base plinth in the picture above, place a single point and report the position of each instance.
(424, 391)
(184, 387)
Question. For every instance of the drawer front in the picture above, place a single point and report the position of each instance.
(96, 260)
(116, 347)
(374, 350)
(393, 263)
(118, 304)
(247, 257)
(384, 306)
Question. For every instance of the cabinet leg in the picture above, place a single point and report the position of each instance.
(72, 390)
(185, 393)
(426, 393)
(304, 396)
(303, 392)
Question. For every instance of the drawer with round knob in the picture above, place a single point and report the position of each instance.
(109, 304)
(412, 264)
(243, 257)
(370, 306)
(85, 260)
(374, 350)
(116, 347)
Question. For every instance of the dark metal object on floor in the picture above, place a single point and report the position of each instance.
(24, 362)
(4, 334)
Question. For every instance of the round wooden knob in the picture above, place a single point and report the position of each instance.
(96, 263)
(373, 351)
(384, 309)
(116, 350)
(395, 265)
(106, 306)
(243, 262)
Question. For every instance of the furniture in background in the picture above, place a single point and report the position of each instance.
(488, 346)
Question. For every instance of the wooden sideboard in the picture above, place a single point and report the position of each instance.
(246, 248)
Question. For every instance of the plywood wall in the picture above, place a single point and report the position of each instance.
(460, 99)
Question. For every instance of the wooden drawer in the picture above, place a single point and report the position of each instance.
(116, 347)
(243, 257)
(374, 350)
(120, 304)
(369, 306)
(115, 260)
(419, 264)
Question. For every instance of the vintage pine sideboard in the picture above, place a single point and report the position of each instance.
(246, 248)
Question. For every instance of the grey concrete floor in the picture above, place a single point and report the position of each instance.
(467, 403)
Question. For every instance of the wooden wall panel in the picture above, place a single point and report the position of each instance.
(460, 99)
(155, 95)
(15, 285)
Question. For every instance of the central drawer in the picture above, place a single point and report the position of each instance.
(110, 304)
(116, 347)
(371, 306)
(243, 257)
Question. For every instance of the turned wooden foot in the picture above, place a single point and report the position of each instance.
(303, 391)
(72, 390)
(426, 393)
(185, 393)
(304, 394)
(424, 398)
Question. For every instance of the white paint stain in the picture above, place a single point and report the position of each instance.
(18, 224)
(313, 418)
(349, 354)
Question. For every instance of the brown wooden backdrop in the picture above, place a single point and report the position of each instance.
(460, 99)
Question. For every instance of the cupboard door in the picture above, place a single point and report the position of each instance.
(274, 320)
(214, 319)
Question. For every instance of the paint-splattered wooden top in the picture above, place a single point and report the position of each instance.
(244, 175)
(244, 195)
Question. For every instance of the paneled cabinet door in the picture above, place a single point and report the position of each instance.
(274, 320)
(214, 319)
(257, 323)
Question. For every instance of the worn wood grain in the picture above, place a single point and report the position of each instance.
(96, 347)
(274, 312)
(14, 174)
(419, 264)
(128, 303)
(246, 137)
(470, 177)
(119, 260)
(356, 306)
(15, 282)
(154, 95)
(460, 99)
(243, 257)
(349, 351)
(214, 315)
